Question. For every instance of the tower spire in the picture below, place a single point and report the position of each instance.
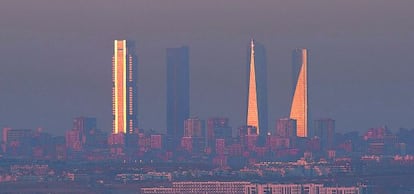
(252, 108)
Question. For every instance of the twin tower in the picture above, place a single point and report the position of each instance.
(257, 90)
(124, 89)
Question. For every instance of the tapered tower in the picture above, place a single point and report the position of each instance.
(299, 109)
(257, 88)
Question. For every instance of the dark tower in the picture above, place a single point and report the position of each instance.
(178, 91)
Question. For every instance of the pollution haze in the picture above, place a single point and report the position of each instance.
(55, 58)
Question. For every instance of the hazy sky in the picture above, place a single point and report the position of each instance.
(55, 58)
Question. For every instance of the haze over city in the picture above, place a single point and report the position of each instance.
(56, 58)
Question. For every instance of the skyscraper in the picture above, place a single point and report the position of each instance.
(257, 88)
(299, 109)
(124, 87)
(178, 90)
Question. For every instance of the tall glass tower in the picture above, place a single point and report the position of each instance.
(124, 87)
(299, 109)
(257, 88)
(178, 90)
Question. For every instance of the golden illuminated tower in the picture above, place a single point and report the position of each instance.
(124, 88)
(299, 109)
(257, 88)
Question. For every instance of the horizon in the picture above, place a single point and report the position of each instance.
(60, 68)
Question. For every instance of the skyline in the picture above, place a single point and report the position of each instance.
(360, 72)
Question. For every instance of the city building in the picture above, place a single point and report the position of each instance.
(10, 134)
(301, 189)
(194, 135)
(220, 187)
(257, 88)
(178, 91)
(17, 142)
(84, 129)
(74, 140)
(124, 87)
(194, 127)
(277, 142)
(156, 141)
(342, 190)
(247, 130)
(116, 143)
(84, 124)
(87, 130)
(58, 148)
(218, 127)
(299, 109)
(250, 141)
(286, 127)
(247, 136)
(274, 188)
(379, 141)
(325, 130)
(187, 144)
(213, 187)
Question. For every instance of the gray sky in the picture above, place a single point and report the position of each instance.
(56, 58)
